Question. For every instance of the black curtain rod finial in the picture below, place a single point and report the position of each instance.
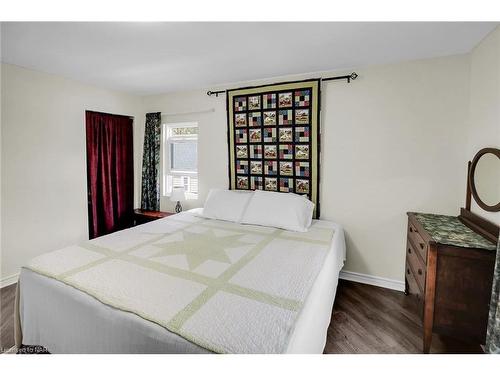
(216, 93)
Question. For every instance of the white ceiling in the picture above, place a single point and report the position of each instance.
(149, 58)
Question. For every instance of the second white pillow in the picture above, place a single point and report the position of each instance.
(281, 210)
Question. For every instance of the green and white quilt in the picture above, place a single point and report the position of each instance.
(227, 287)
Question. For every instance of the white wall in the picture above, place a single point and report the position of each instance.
(44, 190)
(392, 142)
(484, 121)
(1, 261)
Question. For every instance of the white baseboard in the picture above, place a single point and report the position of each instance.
(12, 350)
(9, 280)
(373, 280)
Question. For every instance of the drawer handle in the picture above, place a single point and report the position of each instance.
(411, 229)
(419, 271)
(422, 246)
(408, 271)
(409, 250)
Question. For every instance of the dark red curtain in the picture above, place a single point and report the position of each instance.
(110, 172)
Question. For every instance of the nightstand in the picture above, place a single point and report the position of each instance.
(145, 216)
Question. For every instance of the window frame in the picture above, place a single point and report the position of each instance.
(167, 140)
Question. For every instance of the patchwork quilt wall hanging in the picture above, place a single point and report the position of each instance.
(273, 136)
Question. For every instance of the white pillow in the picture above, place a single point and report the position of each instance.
(281, 210)
(226, 204)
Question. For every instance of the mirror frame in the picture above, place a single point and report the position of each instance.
(472, 184)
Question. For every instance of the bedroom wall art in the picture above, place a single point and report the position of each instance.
(273, 137)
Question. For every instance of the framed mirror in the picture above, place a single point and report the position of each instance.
(484, 179)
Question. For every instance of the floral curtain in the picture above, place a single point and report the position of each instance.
(493, 335)
(150, 197)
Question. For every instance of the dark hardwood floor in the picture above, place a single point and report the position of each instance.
(7, 297)
(365, 319)
(368, 319)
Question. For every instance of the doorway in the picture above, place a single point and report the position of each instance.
(110, 172)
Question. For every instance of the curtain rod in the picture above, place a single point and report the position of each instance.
(349, 78)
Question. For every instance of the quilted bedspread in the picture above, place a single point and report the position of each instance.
(227, 287)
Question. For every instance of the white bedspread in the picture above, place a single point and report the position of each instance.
(242, 311)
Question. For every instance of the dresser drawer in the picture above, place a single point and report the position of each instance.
(418, 241)
(416, 264)
(414, 290)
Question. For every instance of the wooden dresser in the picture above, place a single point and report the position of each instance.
(449, 270)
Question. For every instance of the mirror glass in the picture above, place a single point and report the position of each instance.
(487, 179)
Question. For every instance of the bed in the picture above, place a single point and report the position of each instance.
(184, 284)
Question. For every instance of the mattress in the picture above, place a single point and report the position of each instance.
(67, 320)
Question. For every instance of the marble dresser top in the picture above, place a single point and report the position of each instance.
(449, 230)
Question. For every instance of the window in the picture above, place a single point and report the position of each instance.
(180, 158)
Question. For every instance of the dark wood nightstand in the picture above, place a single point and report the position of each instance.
(145, 216)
